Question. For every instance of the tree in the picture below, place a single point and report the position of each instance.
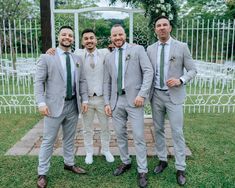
(20, 9)
(155, 8)
(208, 9)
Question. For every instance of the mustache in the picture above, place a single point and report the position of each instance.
(64, 45)
(89, 43)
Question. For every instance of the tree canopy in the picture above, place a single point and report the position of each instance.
(21, 9)
(155, 8)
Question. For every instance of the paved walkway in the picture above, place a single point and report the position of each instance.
(30, 143)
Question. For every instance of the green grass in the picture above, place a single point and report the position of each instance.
(209, 136)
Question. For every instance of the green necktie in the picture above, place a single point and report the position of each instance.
(69, 77)
(162, 66)
(119, 80)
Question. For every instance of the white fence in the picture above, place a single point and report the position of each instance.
(210, 42)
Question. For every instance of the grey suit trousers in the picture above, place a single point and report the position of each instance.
(68, 120)
(161, 104)
(121, 113)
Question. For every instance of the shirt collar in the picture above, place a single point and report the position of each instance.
(124, 46)
(60, 51)
(167, 42)
(94, 52)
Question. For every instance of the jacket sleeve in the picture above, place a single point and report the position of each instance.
(40, 79)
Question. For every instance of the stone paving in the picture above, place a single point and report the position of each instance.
(30, 143)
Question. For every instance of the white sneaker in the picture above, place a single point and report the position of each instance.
(89, 158)
(108, 156)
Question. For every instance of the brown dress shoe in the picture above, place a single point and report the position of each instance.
(121, 169)
(142, 180)
(75, 169)
(161, 167)
(180, 176)
(42, 181)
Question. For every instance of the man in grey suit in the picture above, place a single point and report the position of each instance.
(128, 77)
(59, 85)
(169, 58)
(93, 61)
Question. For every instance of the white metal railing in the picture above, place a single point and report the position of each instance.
(212, 90)
(209, 40)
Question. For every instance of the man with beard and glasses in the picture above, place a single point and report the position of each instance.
(59, 83)
(128, 77)
(173, 68)
(93, 61)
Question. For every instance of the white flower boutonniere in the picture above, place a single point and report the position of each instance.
(77, 64)
(172, 59)
(128, 57)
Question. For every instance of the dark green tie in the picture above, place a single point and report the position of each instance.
(119, 80)
(69, 77)
(162, 66)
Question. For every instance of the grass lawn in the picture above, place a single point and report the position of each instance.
(209, 136)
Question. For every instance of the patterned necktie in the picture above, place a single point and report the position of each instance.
(162, 66)
(119, 80)
(69, 77)
(92, 63)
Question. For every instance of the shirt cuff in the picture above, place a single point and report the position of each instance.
(182, 80)
(41, 104)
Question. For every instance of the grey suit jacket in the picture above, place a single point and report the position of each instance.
(180, 59)
(137, 78)
(50, 85)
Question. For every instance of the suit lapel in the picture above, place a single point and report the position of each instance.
(172, 51)
(76, 66)
(112, 63)
(128, 50)
(155, 51)
(57, 60)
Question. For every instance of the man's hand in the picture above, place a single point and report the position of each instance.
(173, 82)
(108, 110)
(44, 110)
(84, 107)
(50, 51)
(139, 101)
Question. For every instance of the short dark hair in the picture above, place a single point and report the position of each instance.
(117, 25)
(161, 17)
(65, 27)
(88, 30)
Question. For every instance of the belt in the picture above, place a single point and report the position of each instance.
(69, 99)
(161, 89)
(123, 92)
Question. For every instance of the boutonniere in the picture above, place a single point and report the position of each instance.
(77, 64)
(172, 59)
(128, 57)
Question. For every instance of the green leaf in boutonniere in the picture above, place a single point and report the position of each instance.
(128, 57)
(77, 64)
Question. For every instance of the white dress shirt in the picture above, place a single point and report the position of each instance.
(166, 63)
(124, 46)
(63, 63)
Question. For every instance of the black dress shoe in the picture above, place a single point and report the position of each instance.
(121, 169)
(142, 180)
(161, 167)
(180, 176)
(75, 169)
(42, 181)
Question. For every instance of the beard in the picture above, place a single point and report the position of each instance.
(65, 45)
